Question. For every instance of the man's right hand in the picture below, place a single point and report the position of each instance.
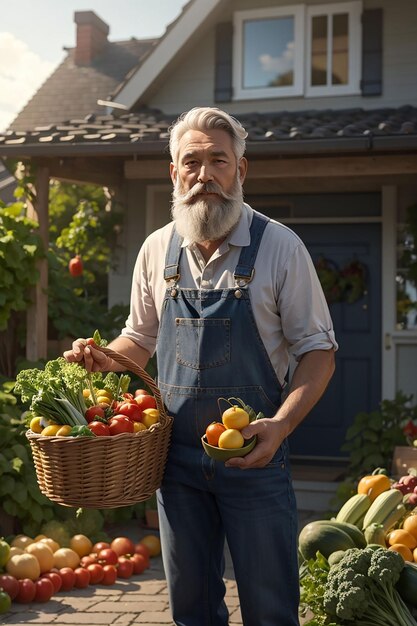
(84, 350)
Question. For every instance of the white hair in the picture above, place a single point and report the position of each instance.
(207, 118)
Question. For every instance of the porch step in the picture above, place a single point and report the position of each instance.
(316, 483)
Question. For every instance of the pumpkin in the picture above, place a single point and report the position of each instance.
(23, 566)
(65, 557)
(44, 555)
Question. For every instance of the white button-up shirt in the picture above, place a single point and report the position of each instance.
(288, 303)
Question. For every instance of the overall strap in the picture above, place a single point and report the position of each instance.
(173, 255)
(245, 267)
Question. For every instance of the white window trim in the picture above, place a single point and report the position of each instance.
(354, 10)
(298, 12)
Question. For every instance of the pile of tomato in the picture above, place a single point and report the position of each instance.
(102, 565)
(226, 434)
(110, 417)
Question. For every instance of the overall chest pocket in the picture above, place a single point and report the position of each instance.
(202, 343)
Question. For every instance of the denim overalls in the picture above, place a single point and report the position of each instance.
(209, 347)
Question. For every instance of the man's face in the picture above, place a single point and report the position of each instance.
(207, 197)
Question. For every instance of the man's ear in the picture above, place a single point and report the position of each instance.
(243, 168)
(173, 172)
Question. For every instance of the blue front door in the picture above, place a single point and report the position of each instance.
(356, 385)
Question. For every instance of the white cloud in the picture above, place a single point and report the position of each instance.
(279, 65)
(21, 74)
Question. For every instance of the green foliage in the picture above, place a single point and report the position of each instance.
(313, 578)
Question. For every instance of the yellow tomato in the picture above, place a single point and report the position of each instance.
(150, 416)
(231, 438)
(51, 430)
(137, 426)
(64, 431)
(35, 425)
(235, 417)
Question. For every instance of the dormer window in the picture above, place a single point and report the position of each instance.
(297, 51)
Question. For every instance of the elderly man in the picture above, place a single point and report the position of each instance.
(225, 296)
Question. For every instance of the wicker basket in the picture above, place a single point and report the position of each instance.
(104, 472)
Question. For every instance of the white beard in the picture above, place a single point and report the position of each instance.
(209, 218)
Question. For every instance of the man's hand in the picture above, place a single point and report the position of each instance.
(85, 350)
(270, 435)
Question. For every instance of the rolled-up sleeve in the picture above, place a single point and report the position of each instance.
(305, 316)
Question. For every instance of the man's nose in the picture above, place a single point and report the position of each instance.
(204, 175)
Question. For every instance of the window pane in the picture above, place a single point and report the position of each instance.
(268, 58)
(406, 277)
(340, 70)
(319, 50)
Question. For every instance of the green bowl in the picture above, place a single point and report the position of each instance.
(223, 454)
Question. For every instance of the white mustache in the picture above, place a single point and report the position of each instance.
(200, 188)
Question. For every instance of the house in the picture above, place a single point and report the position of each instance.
(327, 92)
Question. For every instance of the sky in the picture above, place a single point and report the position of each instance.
(34, 33)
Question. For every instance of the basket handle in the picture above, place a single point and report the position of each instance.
(136, 369)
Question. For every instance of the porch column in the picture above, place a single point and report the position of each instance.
(37, 314)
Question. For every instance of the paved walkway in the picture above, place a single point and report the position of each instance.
(141, 600)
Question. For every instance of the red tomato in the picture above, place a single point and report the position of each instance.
(145, 402)
(75, 266)
(109, 574)
(128, 396)
(124, 567)
(108, 556)
(140, 548)
(92, 412)
(67, 577)
(122, 546)
(120, 424)
(100, 545)
(96, 572)
(89, 559)
(141, 392)
(55, 579)
(213, 432)
(44, 590)
(9, 584)
(27, 590)
(140, 563)
(131, 410)
(82, 577)
(99, 428)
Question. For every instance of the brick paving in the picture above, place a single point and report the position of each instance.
(141, 600)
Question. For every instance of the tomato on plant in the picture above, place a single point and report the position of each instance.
(9, 584)
(213, 432)
(5, 602)
(120, 424)
(145, 401)
(44, 590)
(94, 411)
(27, 590)
(99, 428)
(131, 410)
(82, 577)
(75, 266)
(124, 567)
(109, 574)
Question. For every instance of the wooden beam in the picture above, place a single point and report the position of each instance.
(37, 314)
(363, 165)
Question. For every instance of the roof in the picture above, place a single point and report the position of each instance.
(146, 132)
(72, 90)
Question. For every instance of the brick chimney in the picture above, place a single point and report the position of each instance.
(91, 36)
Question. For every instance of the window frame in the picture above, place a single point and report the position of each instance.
(239, 18)
(354, 10)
